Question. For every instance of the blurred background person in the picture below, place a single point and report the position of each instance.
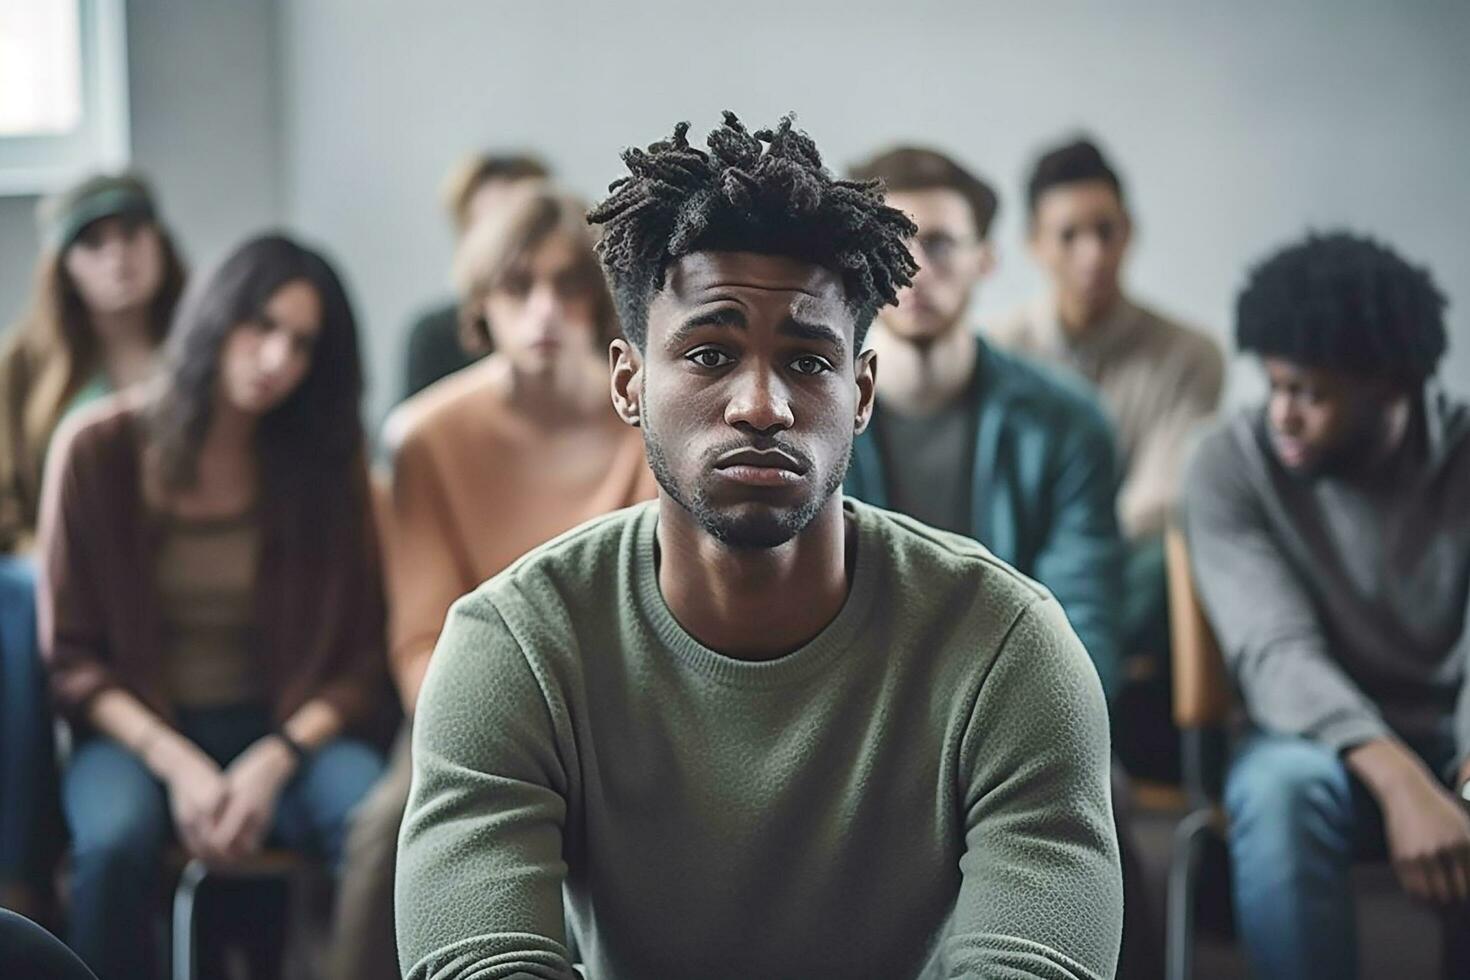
(989, 445)
(104, 296)
(210, 604)
(1329, 534)
(476, 187)
(1157, 380)
(488, 464)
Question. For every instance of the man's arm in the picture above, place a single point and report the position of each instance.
(1082, 560)
(480, 866)
(1263, 619)
(1042, 893)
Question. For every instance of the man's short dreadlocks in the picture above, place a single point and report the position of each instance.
(762, 192)
(1346, 302)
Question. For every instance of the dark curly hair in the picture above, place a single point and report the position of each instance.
(1071, 163)
(1345, 302)
(759, 192)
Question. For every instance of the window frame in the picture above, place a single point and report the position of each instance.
(42, 163)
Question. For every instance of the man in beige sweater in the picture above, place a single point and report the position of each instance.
(1157, 380)
(488, 463)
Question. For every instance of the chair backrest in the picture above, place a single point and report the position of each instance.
(1202, 690)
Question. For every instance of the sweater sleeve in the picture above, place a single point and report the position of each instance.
(1082, 558)
(1185, 401)
(1041, 895)
(1263, 619)
(480, 866)
(423, 569)
(72, 630)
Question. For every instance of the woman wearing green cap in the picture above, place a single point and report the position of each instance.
(105, 291)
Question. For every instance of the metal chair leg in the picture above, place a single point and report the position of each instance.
(1189, 837)
(185, 894)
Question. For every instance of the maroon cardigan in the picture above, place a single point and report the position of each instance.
(318, 593)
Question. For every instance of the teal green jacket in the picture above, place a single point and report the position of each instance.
(1044, 498)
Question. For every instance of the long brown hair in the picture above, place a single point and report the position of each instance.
(45, 359)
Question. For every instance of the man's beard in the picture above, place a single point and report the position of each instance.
(767, 527)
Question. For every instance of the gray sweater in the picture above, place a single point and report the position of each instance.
(1340, 604)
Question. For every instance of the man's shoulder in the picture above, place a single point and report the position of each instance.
(458, 398)
(1033, 391)
(1172, 340)
(935, 561)
(1223, 454)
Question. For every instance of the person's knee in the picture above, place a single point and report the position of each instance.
(1288, 792)
(118, 814)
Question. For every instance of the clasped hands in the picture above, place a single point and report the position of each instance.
(222, 815)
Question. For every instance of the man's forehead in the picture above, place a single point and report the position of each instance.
(702, 276)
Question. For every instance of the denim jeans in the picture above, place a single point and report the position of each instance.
(31, 829)
(1298, 819)
(121, 823)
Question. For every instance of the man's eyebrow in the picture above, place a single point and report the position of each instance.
(807, 330)
(725, 316)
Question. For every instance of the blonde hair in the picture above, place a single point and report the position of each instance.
(495, 244)
(474, 171)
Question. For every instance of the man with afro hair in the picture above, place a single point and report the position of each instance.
(1329, 532)
(754, 728)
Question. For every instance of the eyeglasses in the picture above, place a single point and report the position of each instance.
(941, 249)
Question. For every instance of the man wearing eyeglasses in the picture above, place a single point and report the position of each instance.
(987, 444)
(979, 442)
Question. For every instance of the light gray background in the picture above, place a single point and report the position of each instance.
(1236, 126)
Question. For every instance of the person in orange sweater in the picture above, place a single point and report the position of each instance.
(488, 463)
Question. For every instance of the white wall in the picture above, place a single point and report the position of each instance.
(1236, 125)
(202, 85)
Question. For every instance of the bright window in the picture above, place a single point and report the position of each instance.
(63, 92)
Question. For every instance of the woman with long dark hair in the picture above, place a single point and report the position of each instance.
(210, 603)
(105, 291)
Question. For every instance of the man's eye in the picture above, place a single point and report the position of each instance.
(708, 357)
(810, 364)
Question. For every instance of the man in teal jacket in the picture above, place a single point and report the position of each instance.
(980, 442)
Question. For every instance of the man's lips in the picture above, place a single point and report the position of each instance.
(761, 467)
(1291, 451)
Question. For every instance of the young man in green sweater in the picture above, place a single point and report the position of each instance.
(754, 729)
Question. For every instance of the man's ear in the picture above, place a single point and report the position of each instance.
(986, 260)
(866, 370)
(626, 369)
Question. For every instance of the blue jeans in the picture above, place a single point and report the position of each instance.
(30, 812)
(121, 823)
(1298, 819)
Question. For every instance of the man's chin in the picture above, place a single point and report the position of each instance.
(751, 527)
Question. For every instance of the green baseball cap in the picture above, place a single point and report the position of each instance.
(64, 216)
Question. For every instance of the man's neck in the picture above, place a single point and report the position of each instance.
(570, 394)
(1077, 316)
(755, 603)
(922, 379)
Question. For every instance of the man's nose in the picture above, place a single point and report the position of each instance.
(760, 400)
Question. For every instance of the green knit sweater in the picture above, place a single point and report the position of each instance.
(922, 790)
